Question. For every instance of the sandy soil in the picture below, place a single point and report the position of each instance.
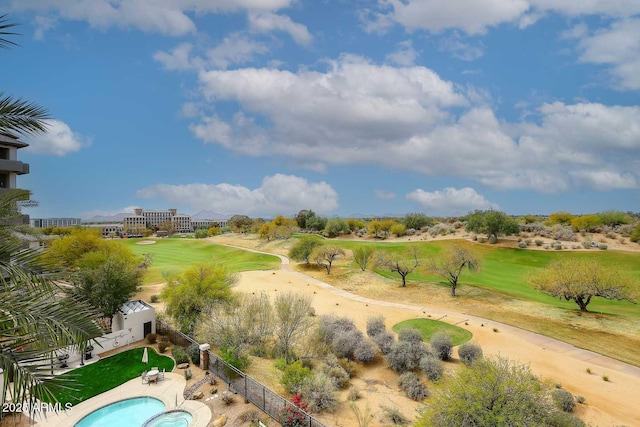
(607, 402)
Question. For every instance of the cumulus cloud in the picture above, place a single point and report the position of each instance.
(477, 16)
(408, 118)
(267, 22)
(617, 47)
(59, 140)
(405, 55)
(161, 16)
(278, 193)
(450, 201)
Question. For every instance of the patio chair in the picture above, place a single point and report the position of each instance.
(161, 375)
(145, 378)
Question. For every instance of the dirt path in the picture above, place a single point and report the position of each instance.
(607, 402)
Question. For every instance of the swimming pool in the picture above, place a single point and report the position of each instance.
(124, 413)
(173, 418)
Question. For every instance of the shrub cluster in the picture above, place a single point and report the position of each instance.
(431, 367)
(319, 392)
(194, 353)
(563, 400)
(332, 369)
(412, 386)
(405, 354)
(293, 375)
(180, 355)
(441, 345)
(345, 339)
(469, 352)
(293, 415)
(151, 338)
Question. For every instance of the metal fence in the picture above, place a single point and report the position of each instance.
(267, 400)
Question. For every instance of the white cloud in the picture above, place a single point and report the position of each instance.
(384, 194)
(236, 48)
(179, 59)
(466, 51)
(619, 47)
(162, 16)
(266, 22)
(410, 119)
(405, 55)
(277, 194)
(470, 16)
(59, 140)
(604, 180)
(451, 201)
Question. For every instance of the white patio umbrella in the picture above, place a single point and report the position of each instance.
(145, 356)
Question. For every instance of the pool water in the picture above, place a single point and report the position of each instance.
(175, 418)
(125, 413)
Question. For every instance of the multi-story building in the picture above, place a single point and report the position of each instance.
(55, 222)
(10, 167)
(142, 219)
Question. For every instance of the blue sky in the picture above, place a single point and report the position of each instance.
(266, 107)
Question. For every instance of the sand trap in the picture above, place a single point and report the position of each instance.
(146, 242)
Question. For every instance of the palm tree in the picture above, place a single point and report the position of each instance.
(37, 318)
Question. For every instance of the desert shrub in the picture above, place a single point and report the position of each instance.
(405, 356)
(441, 345)
(188, 374)
(410, 232)
(539, 242)
(332, 369)
(293, 415)
(194, 353)
(293, 375)
(354, 394)
(493, 239)
(151, 338)
(344, 343)
(162, 346)
(611, 234)
(410, 335)
(385, 341)
(565, 233)
(432, 368)
(586, 243)
(563, 400)
(482, 239)
(580, 399)
(399, 230)
(179, 354)
(412, 386)
(154, 298)
(522, 245)
(319, 392)
(237, 359)
(602, 246)
(564, 419)
(227, 398)
(439, 229)
(394, 416)
(557, 246)
(625, 230)
(365, 352)
(469, 352)
(375, 325)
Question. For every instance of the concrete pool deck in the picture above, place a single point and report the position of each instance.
(169, 391)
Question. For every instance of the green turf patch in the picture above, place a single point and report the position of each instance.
(430, 327)
(173, 256)
(110, 372)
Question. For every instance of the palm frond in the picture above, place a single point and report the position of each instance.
(22, 117)
(4, 25)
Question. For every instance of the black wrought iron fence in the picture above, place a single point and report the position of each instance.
(267, 400)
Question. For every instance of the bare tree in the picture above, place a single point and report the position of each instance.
(292, 321)
(326, 255)
(403, 263)
(452, 263)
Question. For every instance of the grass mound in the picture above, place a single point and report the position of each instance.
(430, 327)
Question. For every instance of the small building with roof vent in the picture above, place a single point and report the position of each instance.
(136, 319)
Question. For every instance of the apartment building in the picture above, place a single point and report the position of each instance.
(10, 166)
(142, 219)
(55, 222)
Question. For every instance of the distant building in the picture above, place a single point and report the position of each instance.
(108, 230)
(142, 219)
(55, 222)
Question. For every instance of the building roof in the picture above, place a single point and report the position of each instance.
(136, 306)
(8, 140)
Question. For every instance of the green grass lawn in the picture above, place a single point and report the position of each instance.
(430, 327)
(507, 270)
(173, 256)
(110, 372)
